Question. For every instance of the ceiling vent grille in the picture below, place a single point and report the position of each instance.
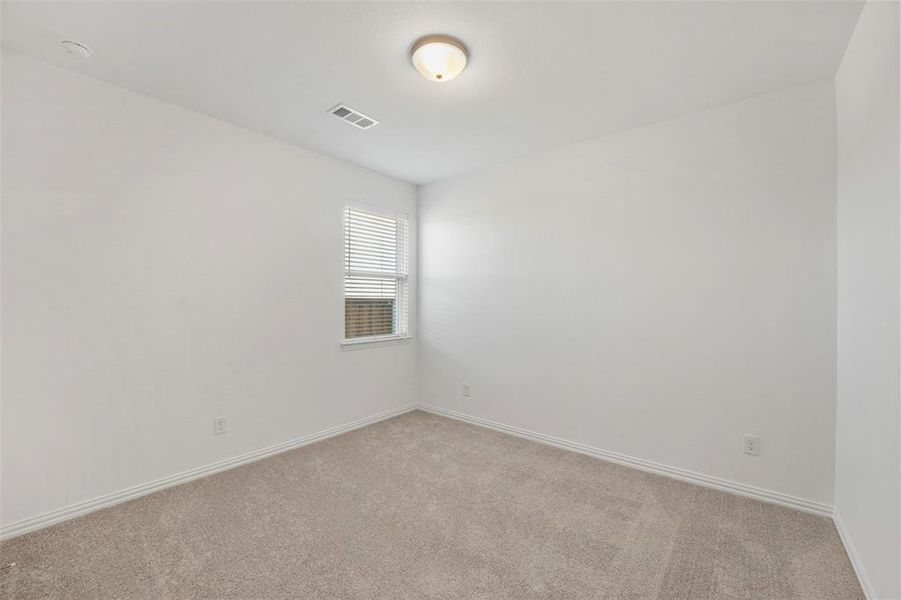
(354, 117)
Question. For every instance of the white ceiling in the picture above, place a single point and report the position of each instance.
(541, 74)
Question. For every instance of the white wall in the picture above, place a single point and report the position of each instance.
(868, 423)
(657, 293)
(161, 268)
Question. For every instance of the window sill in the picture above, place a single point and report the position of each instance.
(374, 342)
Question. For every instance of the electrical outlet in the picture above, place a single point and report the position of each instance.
(752, 445)
(220, 425)
(467, 391)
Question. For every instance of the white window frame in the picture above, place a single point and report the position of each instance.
(402, 277)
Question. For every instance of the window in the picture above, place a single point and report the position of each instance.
(376, 293)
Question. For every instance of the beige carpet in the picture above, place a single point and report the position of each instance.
(426, 507)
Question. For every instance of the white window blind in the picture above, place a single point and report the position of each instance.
(376, 293)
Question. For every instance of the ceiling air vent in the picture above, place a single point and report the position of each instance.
(354, 117)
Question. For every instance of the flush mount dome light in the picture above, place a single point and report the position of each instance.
(439, 57)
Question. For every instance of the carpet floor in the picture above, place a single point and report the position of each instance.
(421, 506)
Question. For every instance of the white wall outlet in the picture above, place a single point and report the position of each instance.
(752, 445)
(220, 425)
(467, 391)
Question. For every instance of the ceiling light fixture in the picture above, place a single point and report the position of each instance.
(76, 49)
(439, 57)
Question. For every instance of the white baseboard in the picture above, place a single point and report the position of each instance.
(70, 512)
(853, 556)
(82, 508)
(724, 485)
